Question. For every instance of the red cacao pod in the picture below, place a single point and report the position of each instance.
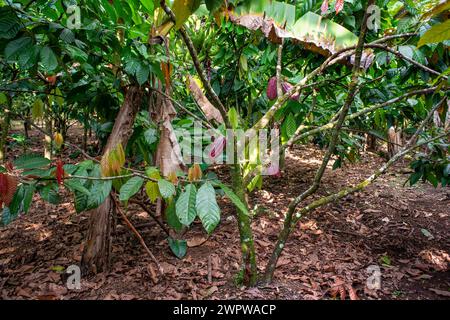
(272, 88)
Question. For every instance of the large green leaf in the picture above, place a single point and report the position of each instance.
(49, 194)
(99, 192)
(142, 73)
(31, 161)
(76, 185)
(148, 4)
(207, 209)
(81, 201)
(48, 59)
(130, 188)
(166, 188)
(178, 247)
(28, 58)
(290, 125)
(277, 21)
(171, 216)
(185, 206)
(9, 23)
(437, 33)
(14, 48)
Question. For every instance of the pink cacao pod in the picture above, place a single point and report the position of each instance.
(217, 147)
(272, 88)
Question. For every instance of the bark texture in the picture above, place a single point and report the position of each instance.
(97, 250)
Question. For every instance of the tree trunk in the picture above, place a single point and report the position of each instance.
(249, 272)
(97, 250)
(395, 141)
(371, 142)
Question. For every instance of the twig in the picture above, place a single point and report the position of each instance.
(146, 209)
(138, 235)
(209, 270)
(193, 52)
(205, 122)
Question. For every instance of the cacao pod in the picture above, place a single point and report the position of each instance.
(217, 147)
(287, 87)
(59, 140)
(272, 88)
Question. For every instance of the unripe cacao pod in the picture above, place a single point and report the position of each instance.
(59, 140)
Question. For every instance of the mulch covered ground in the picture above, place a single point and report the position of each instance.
(403, 230)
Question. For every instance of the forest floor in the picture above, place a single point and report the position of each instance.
(403, 230)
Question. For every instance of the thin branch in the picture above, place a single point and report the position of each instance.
(341, 194)
(286, 230)
(147, 209)
(201, 73)
(278, 71)
(402, 56)
(298, 135)
(205, 122)
(138, 235)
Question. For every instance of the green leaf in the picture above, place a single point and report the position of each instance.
(6, 216)
(151, 136)
(76, 185)
(28, 58)
(437, 33)
(28, 196)
(256, 182)
(385, 260)
(183, 9)
(16, 204)
(185, 205)
(432, 179)
(9, 23)
(48, 59)
(234, 118)
(178, 247)
(166, 188)
(31, 161)
(142, 73)
(130, 188)
(414, 178)
(233, 197)
(213, 5)
(67, 36)
(207, 209)
(3, 99)
(99, 192)
(152, 190)
(427, 234)
(148, 4)
(49, 194)
(290, 125)
(171, 216)
(14, 48)
(80, 201)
